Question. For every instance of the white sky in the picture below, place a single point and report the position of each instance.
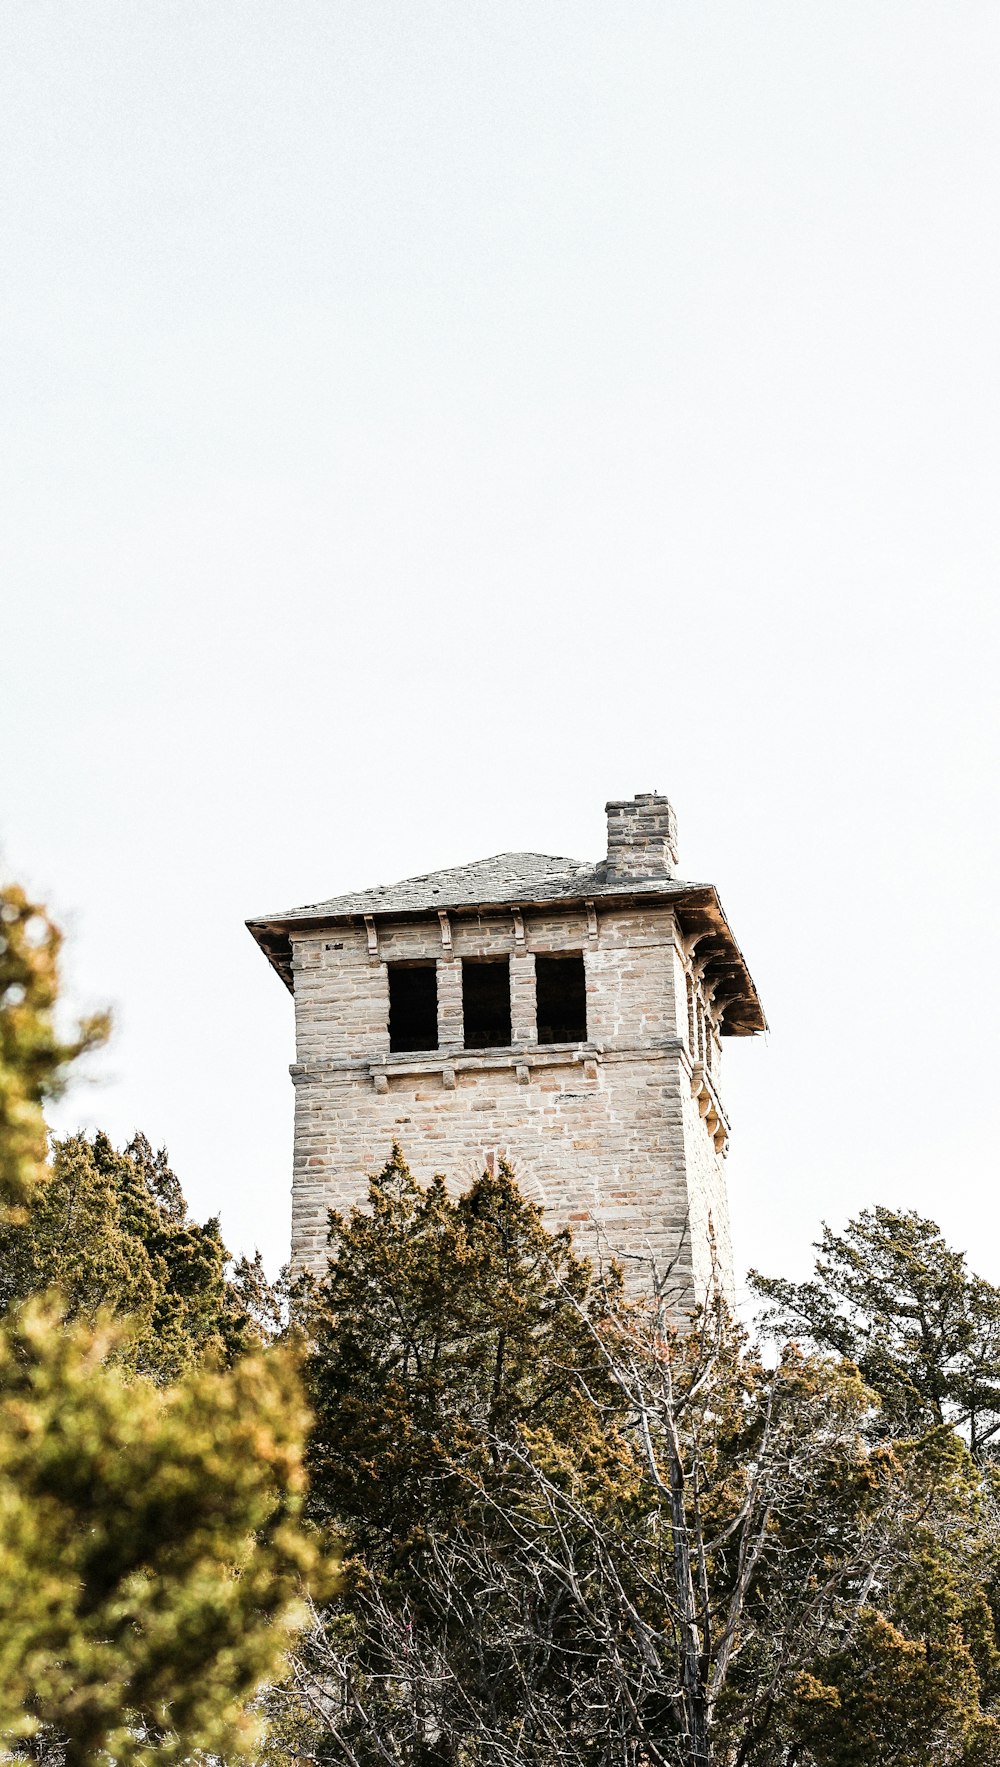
(422, 422)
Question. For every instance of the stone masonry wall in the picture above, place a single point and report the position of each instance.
(621, 1137)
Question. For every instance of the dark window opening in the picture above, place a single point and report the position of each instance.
(561, 988)
(413, 1006)
(486, 1003)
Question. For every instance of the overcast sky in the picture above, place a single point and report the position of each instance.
(422, 422)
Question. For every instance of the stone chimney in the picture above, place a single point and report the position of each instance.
(642, 838)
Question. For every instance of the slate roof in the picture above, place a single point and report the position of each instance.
(524, 879)
(506, 877)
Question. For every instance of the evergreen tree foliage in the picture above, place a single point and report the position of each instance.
(583, 1533)
(892, 1297)
(442, 1329)
(34, 1059)
(150, 1561)
(110, 1231)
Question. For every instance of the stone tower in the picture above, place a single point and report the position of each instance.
(564, 1014)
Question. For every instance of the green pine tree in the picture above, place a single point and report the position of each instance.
(110, 1231)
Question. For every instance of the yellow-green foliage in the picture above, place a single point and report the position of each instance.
(33, 1058)
(151, 1558)
(150, 1561)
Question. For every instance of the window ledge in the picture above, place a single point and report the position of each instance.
(524, 1056)
(533, 1055)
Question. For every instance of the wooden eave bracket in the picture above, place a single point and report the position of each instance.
(689, 943)
(445, 925)
(591, 922)
(518, 919)
(372, 932)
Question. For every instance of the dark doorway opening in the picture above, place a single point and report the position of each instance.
(486, 1003)
(561, 989)
(413, 1006)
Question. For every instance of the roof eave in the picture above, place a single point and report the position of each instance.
(735, 990)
